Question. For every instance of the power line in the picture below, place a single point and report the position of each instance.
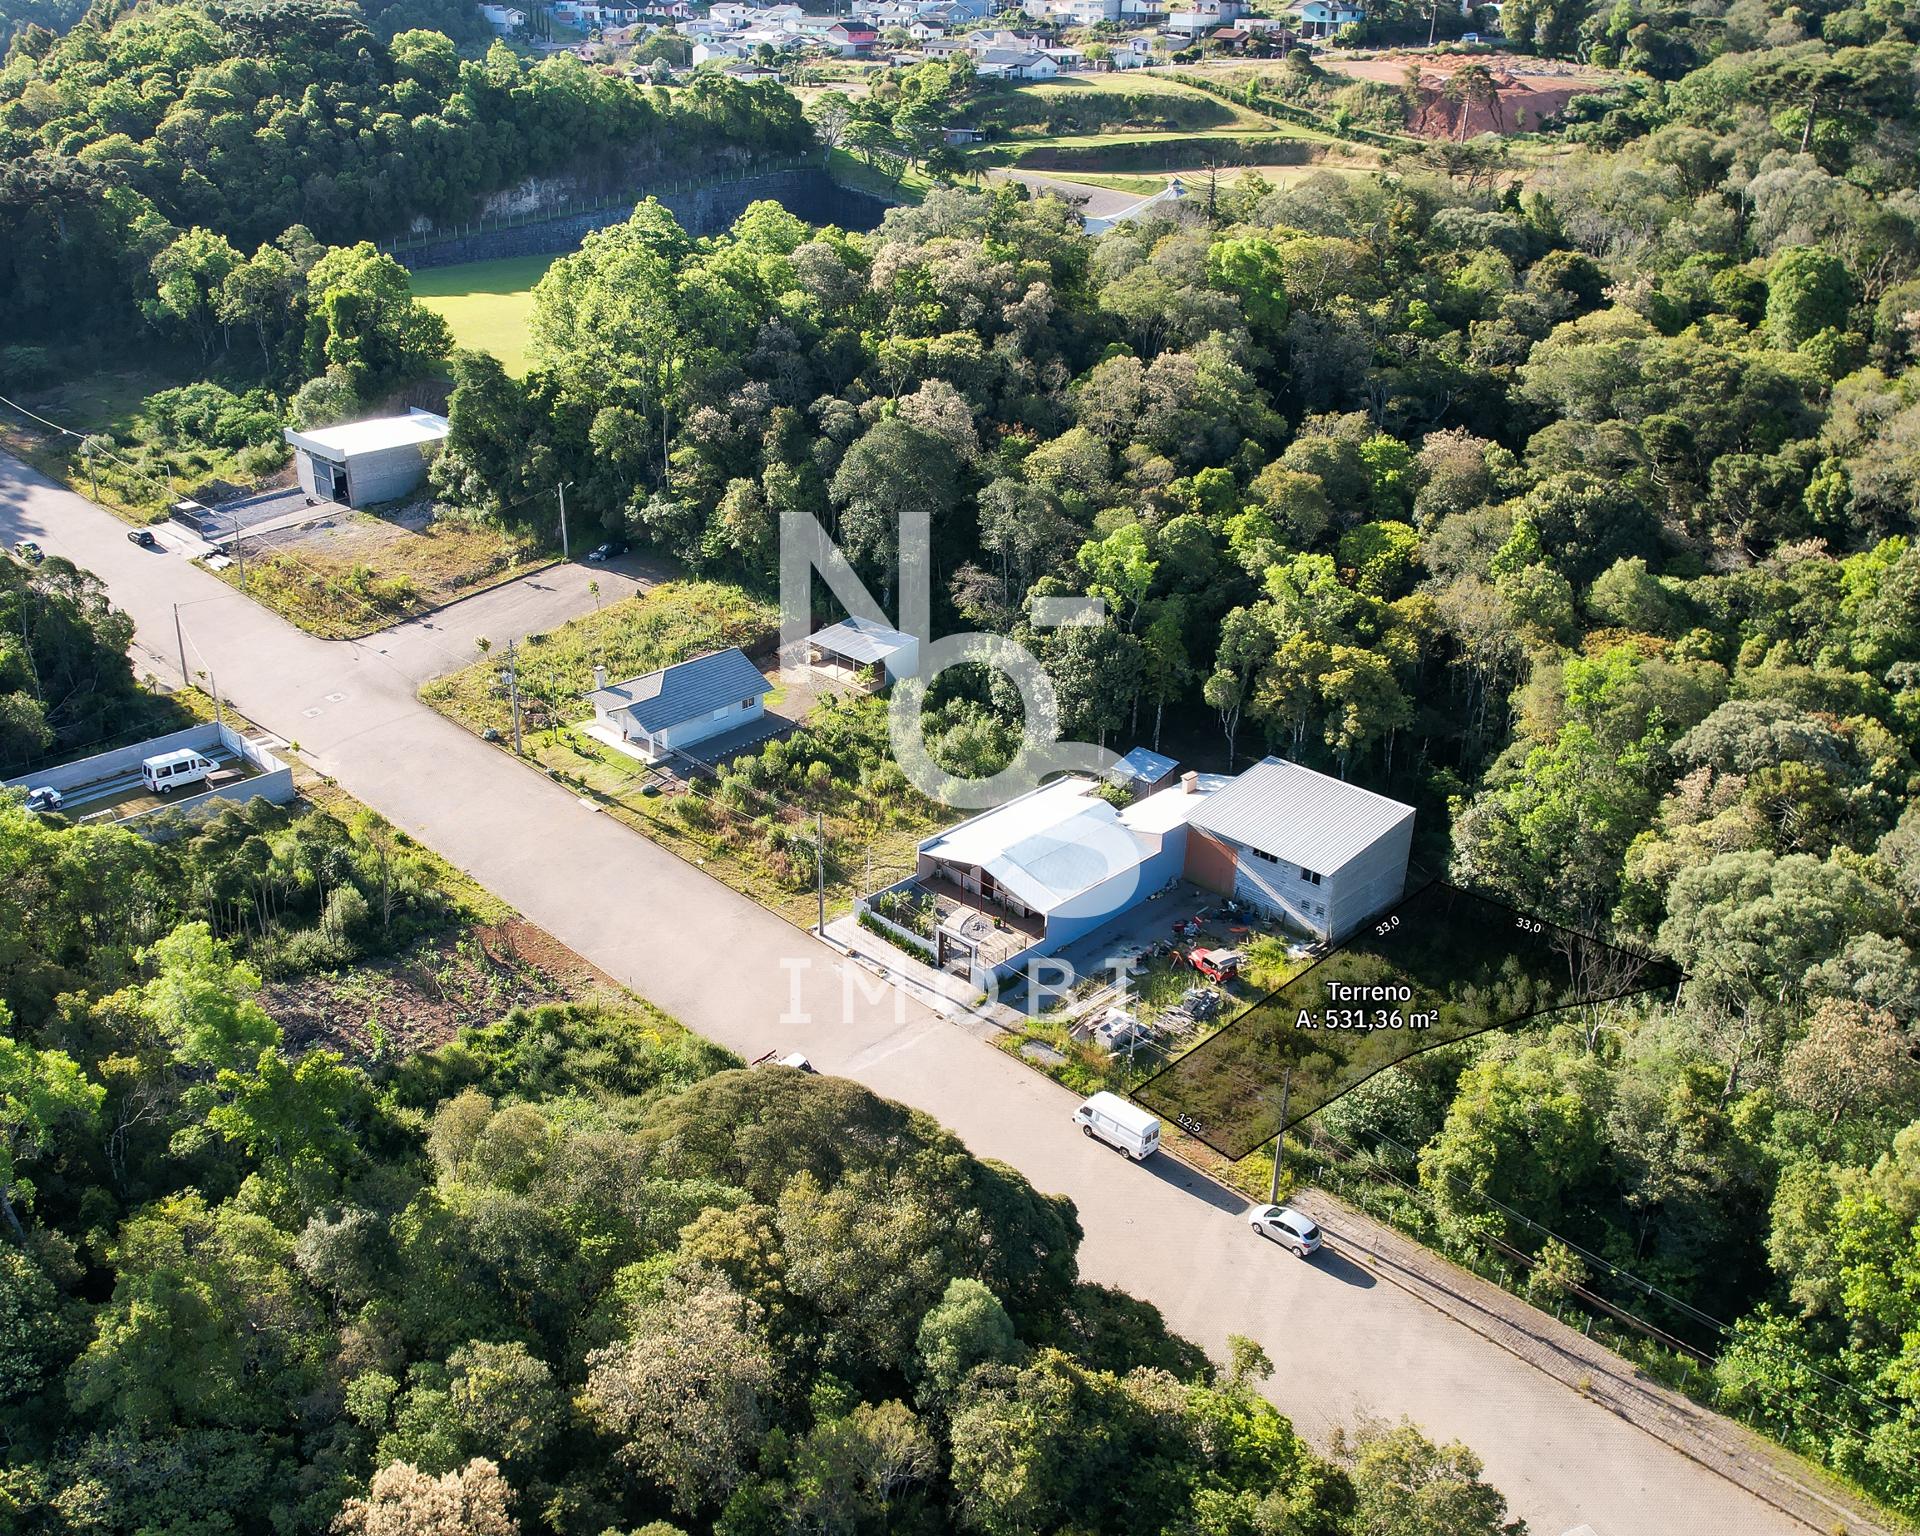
(1877, 1407)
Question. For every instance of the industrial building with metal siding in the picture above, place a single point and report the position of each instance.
(364, 463)
(1324, 854)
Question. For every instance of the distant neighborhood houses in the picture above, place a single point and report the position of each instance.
(732, 31)
(735, 37)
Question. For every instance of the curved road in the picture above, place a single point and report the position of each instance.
(1341, 1341)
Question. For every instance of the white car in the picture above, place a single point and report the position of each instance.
(1287, 1227)
(45, 798)
(793, 1059)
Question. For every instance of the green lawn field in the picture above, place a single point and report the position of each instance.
(486, 303)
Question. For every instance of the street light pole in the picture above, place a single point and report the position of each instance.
(1280, 1140)
(513, 692)
(820, 872)
(179, 639)
(561, 491)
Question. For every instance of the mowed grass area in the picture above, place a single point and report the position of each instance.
(486, 303)
(1191, 108)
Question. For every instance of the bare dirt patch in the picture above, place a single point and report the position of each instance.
(423, 998)
(341, 574)
(1528, 91)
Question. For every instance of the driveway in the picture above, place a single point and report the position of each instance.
(740, 975)
(1093, 202)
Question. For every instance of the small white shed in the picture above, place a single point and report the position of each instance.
(363, 463)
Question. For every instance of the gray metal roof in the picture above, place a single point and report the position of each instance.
(861, 640)
(1146, 766)
(1298, 815)
(684, 691)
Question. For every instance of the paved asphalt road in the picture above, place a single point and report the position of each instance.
(1341, 1341)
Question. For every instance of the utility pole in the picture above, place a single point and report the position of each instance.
(513, 692)
(180, 640)
(240, 551)
(1280, 1140)
(820, 872)
(561, 491)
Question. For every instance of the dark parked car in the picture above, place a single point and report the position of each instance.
(607, 551)
(143, 537)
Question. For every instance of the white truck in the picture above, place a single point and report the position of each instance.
(1124, 1127)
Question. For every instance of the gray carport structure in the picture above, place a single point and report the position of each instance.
(861, 652)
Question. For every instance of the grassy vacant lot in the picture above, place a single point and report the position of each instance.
(637, 634)
(371, 572)
(1443, 966)
(467, 969)
(486, 303)
(1120, 100)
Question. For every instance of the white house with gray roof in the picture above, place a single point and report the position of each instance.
(1323, 854)
(668, 711)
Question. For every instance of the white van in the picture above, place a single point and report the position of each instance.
(172, 770)
(1124, 1127)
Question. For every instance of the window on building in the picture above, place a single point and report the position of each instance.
(1311, 876)
(1261, 853)
(746, 703)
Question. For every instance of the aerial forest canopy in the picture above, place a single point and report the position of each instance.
(1570, 491)
(245, 119)
(1577, 505)
(573, 1272)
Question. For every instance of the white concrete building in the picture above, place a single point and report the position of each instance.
(1321, 853)
(361, 463)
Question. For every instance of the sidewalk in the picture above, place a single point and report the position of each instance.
(953, 997)
(1577, 1362)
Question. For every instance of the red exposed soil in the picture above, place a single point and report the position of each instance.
(1530, 90)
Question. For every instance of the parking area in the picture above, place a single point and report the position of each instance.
(257, 515)
(124, 796)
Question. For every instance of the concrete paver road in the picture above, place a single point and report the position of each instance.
(1342, 1342)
